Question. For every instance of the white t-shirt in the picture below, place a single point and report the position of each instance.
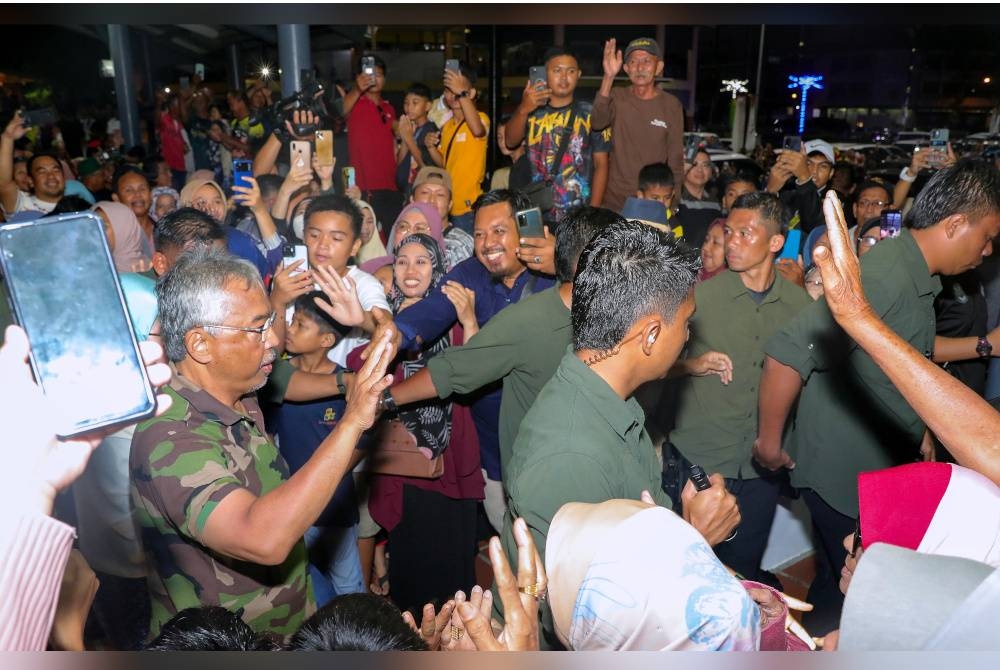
(26, 202)
(370, 294)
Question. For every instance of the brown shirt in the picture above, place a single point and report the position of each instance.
(642, 132)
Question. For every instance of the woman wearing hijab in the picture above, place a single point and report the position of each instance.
(431, 522)
(164, 200)
(371, 243)
(417, 217)
(125, 239)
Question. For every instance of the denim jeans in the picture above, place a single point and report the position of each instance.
(333, 557)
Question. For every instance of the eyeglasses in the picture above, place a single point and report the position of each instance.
(260, 330)
(865, 204)
(867, 241)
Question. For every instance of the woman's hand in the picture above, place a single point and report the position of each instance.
(464, 300)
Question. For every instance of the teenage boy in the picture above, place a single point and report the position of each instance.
(656, 182)
(332, 235)
(414, 126)
(371, 142)
(460, 147)
(299, 429)
(561, 148)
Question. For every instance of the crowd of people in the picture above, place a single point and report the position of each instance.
(365, 372)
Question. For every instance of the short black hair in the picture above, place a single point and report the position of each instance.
(575, 231)
(335, 202)
(326, 323)
(209, 629)
(516, 199)
(185, 228)
(741, 177)
(269, 184)
(356, 622)
(556, 51)
(844, 166)
(420, 90)
(239, 95)
(865, 185)
(773, 213)
(468, 72)
(379, 63)
(656, 174)
(970, 187)
(41, 154)
(628, 271)
(123, 170)
(69, 204)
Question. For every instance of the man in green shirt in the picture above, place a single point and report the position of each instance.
(738, 310)
(522, 344)
(850, 417)
(583, 440)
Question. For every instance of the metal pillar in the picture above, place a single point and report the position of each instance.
(233, 71)
(692, 75)
(293, 56)
(128, 111)
(559, 35)
(495, 81)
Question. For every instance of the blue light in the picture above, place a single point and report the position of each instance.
(805, 82)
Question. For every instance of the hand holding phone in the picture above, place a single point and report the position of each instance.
(300, 155)
(530, 223)
(242, 172)
(324, 148)
(792, 143)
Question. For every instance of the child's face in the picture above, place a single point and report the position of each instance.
(416, 106)
(658, 192)
(165, 204)
(413, 270)
(330, 240)
(303, 336)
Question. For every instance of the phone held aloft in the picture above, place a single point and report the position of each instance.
(530, 223)
(368, 65)
(324, 148)
(242, 172)
(84, 352)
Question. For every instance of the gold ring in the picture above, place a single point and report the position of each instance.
(456, 633)
(538, 259)
(534, 590)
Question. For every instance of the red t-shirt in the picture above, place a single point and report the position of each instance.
(372, 145)
(172, 141)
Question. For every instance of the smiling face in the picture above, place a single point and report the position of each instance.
(700, 171)
(133, 192)
(47, 178)
(413, 270)
(410, 222)
(436, 194)
(713, 249)
(496, 239)
(330, 240)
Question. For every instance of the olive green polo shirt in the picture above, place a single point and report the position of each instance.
(716, 424)
(850, 418)
(522, 345)
(579, 442)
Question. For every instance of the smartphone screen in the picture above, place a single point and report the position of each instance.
(792, 143)
(199, 71)
(324, 148)
(792, 242)
(349, 180)
(368, 65)
(452, 64)
(530, 223)
(892, 223)
(242, 169)
(301, 155)
(84, 352)
(538, 77)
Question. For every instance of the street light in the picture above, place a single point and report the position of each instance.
(805, 82)
(734, 86)
(987, 80)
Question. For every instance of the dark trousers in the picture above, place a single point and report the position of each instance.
(387, 206)
(830, 527)
(757, 499)
(122, 608)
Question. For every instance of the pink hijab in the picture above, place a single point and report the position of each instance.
(430, 213)
(127, 254)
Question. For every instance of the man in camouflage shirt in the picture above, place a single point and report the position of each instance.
(221, 521)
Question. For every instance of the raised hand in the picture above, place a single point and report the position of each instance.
(839, 266)
(369, 382)
(613, 60)
(432, 624)
(344, 306)
(538, 253)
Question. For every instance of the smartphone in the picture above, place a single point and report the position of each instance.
(368, 65)
(939, 147)
(39, 117)
(296, 252)
(242, 170)
(84, 352)
(538, 76)
(792, 143)
(185, 83)
(699, 478)
(301, 155)
(324, 148)
(199, 71)
(530, 223)
(892, 223)
(793, 240)
(452, 64)
(349, 178)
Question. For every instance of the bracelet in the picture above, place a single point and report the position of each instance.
(387, 403)
(905, 176)
(341, 386)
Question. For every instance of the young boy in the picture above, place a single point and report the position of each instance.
(299, 428)
(412, 153)
(656, 182)
(332, 235)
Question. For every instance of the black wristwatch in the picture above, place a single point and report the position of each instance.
(386, 403)
(341, 386)
(983, 347)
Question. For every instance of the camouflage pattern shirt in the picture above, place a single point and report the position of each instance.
(182, 465)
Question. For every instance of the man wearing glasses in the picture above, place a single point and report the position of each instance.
(557, 130)
(871, 200)
(221, 520)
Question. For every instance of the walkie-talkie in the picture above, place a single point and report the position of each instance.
(700, 478)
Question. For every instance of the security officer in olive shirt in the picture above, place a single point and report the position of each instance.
(738, 310)
(850, 417)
